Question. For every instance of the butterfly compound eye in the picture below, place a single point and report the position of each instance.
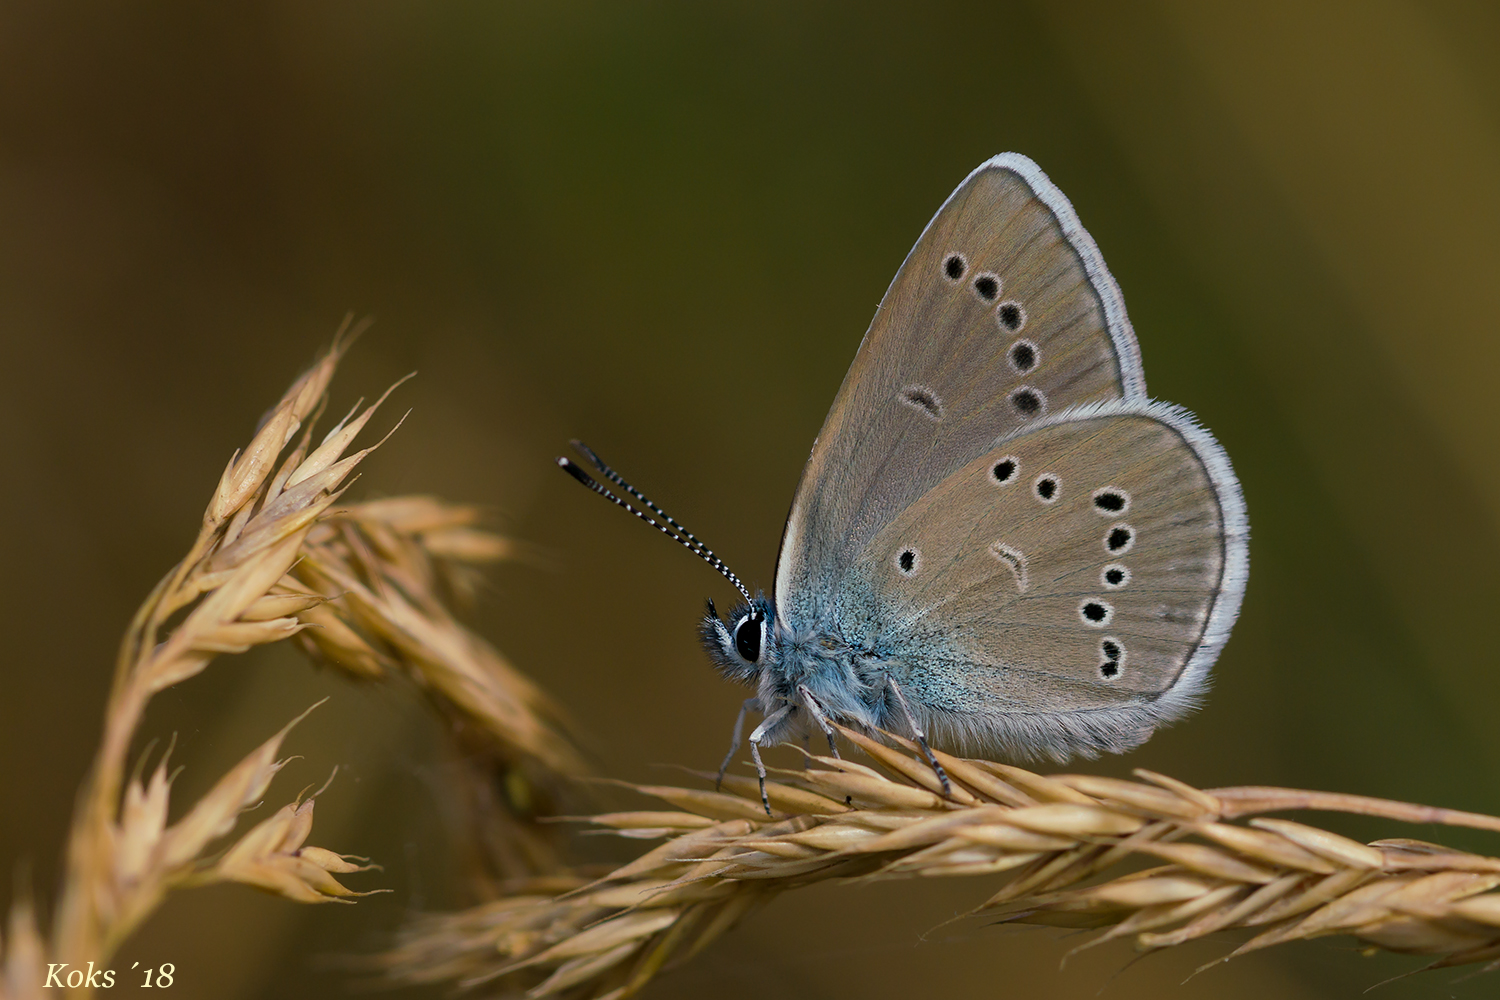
(747, 639)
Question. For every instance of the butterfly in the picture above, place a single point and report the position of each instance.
(999, 539)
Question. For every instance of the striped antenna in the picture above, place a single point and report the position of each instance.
(671, 528)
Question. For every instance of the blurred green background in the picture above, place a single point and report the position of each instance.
(663, 227)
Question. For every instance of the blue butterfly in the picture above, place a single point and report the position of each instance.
(999, 539)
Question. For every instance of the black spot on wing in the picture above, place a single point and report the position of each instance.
(1095, 612)
(1027, 402)
(1120, 538)
(1111, 500)
(1111, 658)
(1023, 356)
(1011, 316)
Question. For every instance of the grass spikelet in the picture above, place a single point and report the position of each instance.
(383, 581)
(386, 573)
(1068, 850)
(122, 856)
(272, 518)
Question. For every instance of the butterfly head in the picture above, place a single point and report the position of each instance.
(742, 645)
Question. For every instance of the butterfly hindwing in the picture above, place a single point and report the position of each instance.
(1002, 314)
(1066, 591)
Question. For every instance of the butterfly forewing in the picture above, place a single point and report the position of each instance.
(1002, 314)
(1066, 591)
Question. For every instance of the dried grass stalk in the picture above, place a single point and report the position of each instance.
(272, 511)
(122, 855)
(388, 569)
(385, 568)
(1059, 842)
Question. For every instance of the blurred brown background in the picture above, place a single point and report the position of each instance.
(663, 228)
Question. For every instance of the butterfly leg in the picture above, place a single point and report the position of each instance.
(759, 734)
(916, 731)
(734, 742)
(816, 711)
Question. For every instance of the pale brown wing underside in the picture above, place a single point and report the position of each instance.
(1090, 565)
(1002, 314)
